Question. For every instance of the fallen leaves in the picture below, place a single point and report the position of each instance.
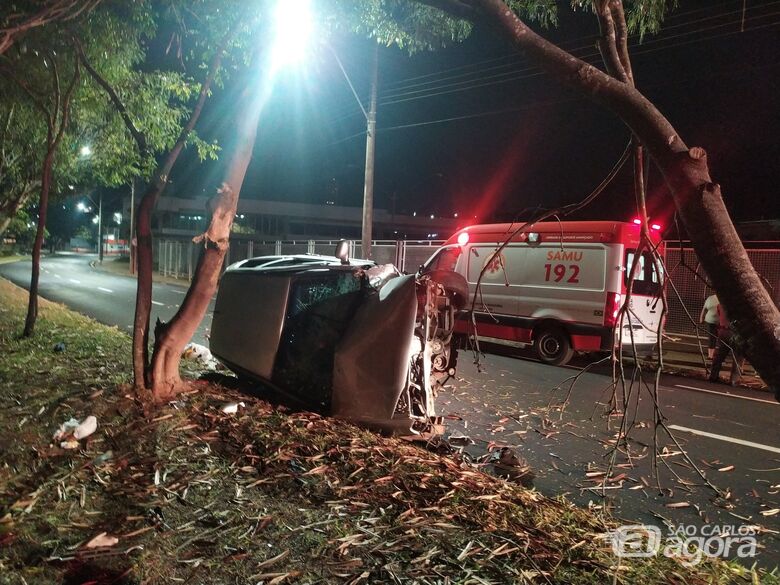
(102, 540)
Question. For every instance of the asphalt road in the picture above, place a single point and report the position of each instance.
(731, 435)
(106, 297)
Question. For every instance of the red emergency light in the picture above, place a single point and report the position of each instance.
(463, 238)
(653, 226)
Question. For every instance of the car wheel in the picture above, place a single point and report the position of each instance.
(552, 346)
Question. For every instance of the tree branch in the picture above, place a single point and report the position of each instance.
(55, 74)
(458, 8)
(621, 28)
(139, 137)
(607, 42)
(66, 101)
(52, 11)
(26, 88)
(638, 113)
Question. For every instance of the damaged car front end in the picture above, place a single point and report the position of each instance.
(349, 339)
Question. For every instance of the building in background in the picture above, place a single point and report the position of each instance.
(176, 217)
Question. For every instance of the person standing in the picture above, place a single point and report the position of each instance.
(709, 317)
(728, 342)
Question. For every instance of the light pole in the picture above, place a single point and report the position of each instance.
(293, 27)
(370, 116)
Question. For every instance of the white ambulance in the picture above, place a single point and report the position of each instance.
(558, 286)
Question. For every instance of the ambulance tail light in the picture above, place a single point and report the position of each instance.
(656, 227)
(463, 238)
(612, 309)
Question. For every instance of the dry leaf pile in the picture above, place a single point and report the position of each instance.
(262, 495)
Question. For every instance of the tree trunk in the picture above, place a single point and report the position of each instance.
(144, 259)
(171, 337)
(685, 170)
(143, 230)
(61, 110)
(32, 304)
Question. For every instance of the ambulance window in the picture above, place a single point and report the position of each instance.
(446, 259)
(646, 280)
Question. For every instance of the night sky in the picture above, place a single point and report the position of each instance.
(475, 129)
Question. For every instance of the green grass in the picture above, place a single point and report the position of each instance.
(198, 496)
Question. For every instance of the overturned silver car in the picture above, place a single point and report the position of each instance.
(346, 338)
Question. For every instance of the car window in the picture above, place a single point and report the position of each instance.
(445, 259)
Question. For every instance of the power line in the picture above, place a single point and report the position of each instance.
(349, 111)
(534, 71)
(590, 53)
(545, 103)
(666, 27)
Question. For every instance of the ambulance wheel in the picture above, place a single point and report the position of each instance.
(552, 346)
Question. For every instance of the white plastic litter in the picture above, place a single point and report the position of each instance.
(200, 353)
(86, 428)
(66, 429)
(71, 431)
(232, 407)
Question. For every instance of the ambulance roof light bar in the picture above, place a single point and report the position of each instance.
(653, 226)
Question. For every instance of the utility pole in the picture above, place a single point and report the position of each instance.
(368, 190)
(100, 228)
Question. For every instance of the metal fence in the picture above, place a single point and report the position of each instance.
(178, 258)
(687, 289)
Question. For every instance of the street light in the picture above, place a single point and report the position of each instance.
(370, 116)
(98, 219)
(293, 25)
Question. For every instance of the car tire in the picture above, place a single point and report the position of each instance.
(552, 346)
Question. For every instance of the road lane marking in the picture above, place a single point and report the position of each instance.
(725, 438)
(158, 303)
(105, 290)
(179, 292)
(74, 281)
(727, 394)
